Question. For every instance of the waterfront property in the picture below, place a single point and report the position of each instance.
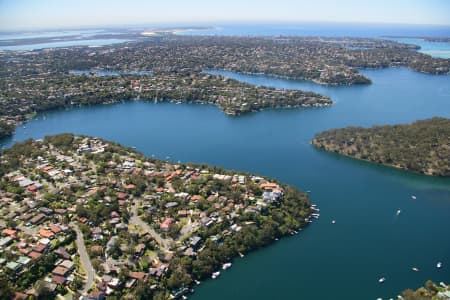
(145, 222)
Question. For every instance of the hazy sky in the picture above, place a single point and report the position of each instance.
(16, 14)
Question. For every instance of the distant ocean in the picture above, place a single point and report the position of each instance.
(402, 33)
(86, 37)
(326, 29)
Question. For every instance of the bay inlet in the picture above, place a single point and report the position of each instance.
(325, 261)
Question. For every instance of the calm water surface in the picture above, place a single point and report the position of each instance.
(59, 44)
(330, 29)
(325, 261)
(436, 49)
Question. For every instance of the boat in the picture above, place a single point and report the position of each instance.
(197, 282)
(333, 222)
(415, 269)
(215, 275)
(398, 212)
(414, 197)
(382, 279)
(226, 266)
(439, 265)
(241, 255)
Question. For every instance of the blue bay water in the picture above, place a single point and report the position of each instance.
(290, 29)
(329, 29)
(68, 43)
(325, 261)
(436, 49)
(109, 72)
(47, 34)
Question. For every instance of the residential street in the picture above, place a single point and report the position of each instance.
(136, 220)
(84, 259)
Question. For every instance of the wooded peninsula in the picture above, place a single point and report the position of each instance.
(421, 147)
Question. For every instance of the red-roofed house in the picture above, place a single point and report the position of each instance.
(34, 255)
(10, 232)
(60, 271)
(59, 279)
(130, 186)
(122, 196)
(47, 169)
(25, 251)
(32, 188)
(46, 233)
(40, 248)
(138, 275)
(55, 229)
(165, 225)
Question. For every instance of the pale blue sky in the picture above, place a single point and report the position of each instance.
(25, 14)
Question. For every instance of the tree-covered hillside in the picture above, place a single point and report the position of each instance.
(422, 146)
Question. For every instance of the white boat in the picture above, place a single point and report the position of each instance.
(241, 255)
(414, 197)
(197, 282)
(226, 266)
(215, 275)
(398, 212)
(333, 222)
(439, 265)
(381, 280)
(415, 269)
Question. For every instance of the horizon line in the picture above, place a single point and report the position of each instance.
(212, 24)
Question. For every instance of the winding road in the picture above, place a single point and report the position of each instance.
(84, 259)
(136, 220)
